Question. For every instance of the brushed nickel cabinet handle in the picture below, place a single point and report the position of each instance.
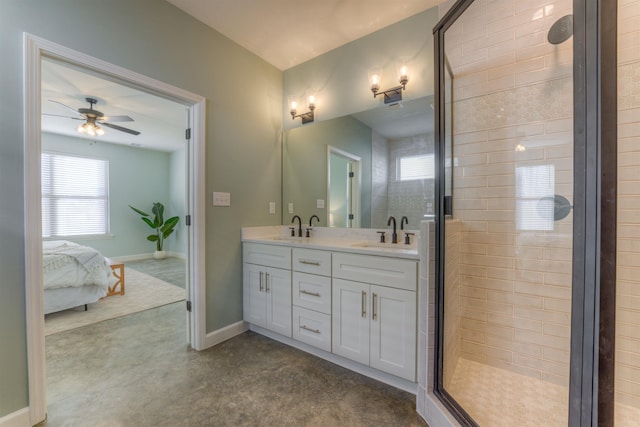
(313, 294)
(261, 287)
(306, 328)
(374, 312)
(306, 261)
(266, 282)
(364, 304)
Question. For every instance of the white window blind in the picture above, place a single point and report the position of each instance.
(75, 195)
(415, 167)
(534, 197)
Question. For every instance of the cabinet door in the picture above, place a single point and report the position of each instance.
(393, 331)
(254, 297)
(350, 334)
(278, 291)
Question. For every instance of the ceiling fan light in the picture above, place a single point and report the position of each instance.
(91, 131)
(81, 128)
(99, 131)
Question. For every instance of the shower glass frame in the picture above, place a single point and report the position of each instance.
(593, 277)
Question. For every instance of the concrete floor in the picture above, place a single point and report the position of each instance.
(138, 371)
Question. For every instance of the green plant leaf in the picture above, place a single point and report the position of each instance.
(148, 222)
(139, 211)
(152, 237)
(158, 211)
(170, 224)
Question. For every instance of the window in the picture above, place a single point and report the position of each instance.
(415, 167)
(534, 197)
(75, 195)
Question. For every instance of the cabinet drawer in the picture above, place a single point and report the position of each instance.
(312, 328)
(312, 261)
(312, 292)
(392, 272)
(267, 255)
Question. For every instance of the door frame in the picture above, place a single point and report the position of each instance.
(355, 193)
(35, 48)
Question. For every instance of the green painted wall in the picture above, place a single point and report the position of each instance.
(177, 242)
(305, 165)
(151, 37)
(137, 177)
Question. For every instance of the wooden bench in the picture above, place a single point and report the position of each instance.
(118, 270)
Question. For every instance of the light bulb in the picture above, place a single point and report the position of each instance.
(80, 128)
(99, 131)
(312, 102)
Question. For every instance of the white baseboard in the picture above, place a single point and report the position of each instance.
(223, 334)
(18, 418)
(140, 257)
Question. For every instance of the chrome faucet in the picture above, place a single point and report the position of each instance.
(299, 224)
(394, 236)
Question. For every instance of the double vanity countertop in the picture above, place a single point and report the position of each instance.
(362, 241)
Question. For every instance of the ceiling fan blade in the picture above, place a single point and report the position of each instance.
(66, 117)
(117, 119)
(120, 128)
(66, 106)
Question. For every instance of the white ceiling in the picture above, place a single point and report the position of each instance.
(282, 32)
(286, 33)
(161, 122)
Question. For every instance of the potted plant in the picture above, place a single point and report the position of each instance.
(163, 229)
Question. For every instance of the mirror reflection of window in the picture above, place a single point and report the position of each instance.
(415, 167)
(535, 197)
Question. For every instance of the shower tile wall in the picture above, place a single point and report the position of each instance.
(627, 368)
(412, 198)
(453, 319)
(513, 100)
(379, 177)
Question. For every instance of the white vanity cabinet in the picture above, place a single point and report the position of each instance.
(374, 312)
(267, 287)
(312, 297)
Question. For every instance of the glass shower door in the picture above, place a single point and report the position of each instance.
(506, 288)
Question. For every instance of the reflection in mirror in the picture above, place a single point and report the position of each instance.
(395, 145)
(343, 197)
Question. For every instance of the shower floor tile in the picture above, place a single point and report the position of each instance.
(497, 397)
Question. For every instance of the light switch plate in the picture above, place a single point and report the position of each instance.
(221, 199)
(272, 208)
(290, 208)
(320, 204)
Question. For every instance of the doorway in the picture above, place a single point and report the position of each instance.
(343, 188)
(36, 50)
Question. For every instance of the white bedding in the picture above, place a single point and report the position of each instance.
(74, 275)
(67, 264)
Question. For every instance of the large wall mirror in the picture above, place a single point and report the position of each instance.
(390, 152)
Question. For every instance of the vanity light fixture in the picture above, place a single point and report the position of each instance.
(307, 117)
(393, 95)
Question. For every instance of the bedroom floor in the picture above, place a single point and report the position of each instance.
(137, 371)
(172, 270)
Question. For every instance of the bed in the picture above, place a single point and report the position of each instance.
(74, 275)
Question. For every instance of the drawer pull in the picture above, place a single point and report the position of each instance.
(374, 313)
(306, 328)
(306, 261)
(364, 304)
(261, 276)
(313, 294)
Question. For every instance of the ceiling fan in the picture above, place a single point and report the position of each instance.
(94, 118)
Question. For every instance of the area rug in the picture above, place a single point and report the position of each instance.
(142, 292)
